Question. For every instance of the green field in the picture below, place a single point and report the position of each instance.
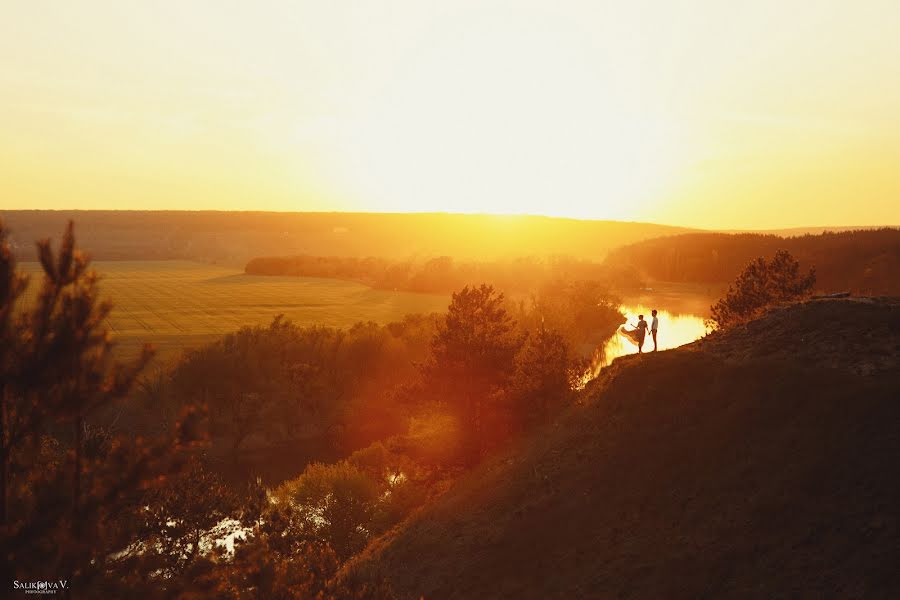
(179, 304)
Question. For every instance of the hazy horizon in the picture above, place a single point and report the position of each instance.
(761, 117)
(802, 227)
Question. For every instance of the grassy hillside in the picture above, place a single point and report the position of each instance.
(180, 304)
(714, 470)
(235, 237)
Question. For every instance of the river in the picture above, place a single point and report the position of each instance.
(682, 312)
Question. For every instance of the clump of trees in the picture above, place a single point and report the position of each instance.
(499, 375)
(584, 312)
(487, 377)
(443, 274)
(107, 511)
(276, 385)
(282, 383)
(348, 502)
(761, 285)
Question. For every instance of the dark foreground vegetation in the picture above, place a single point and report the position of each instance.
(115, 481)
(863, 262)
(452, 454)
(759, 462)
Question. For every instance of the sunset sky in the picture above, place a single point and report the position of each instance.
(764, 114)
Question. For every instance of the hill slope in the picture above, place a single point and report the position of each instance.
(713, 470)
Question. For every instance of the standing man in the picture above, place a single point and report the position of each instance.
(654, 326)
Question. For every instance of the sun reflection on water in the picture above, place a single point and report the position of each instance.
(675, 329)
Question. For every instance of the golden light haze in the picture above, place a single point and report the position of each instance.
(710, 114)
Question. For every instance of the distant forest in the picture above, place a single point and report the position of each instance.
(443, 274)
(865, 262)
(235, 237)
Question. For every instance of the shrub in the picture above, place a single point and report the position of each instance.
(334, 503)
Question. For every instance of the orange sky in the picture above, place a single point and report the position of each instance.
(709, 114)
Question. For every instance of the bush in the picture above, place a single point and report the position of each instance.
(334, 503)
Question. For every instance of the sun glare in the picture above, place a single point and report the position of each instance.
(511, 123)
(701, 115)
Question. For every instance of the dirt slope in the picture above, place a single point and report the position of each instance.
(716, 470)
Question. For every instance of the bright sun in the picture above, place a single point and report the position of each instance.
(511, 119)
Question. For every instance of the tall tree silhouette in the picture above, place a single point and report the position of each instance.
(63, 481)
(473, 354)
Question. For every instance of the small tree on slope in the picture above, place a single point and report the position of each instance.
(761, 285)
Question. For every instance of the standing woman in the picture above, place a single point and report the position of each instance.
(654, 326)
(641, 333)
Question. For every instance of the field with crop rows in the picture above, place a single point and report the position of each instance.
(179, 304)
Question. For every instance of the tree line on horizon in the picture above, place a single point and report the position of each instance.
(234, 237)
(862, 262)
(444, 274)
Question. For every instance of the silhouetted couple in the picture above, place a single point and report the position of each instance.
(641, 331)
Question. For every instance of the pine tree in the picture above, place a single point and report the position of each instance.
(761, 285)
(473, 354)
